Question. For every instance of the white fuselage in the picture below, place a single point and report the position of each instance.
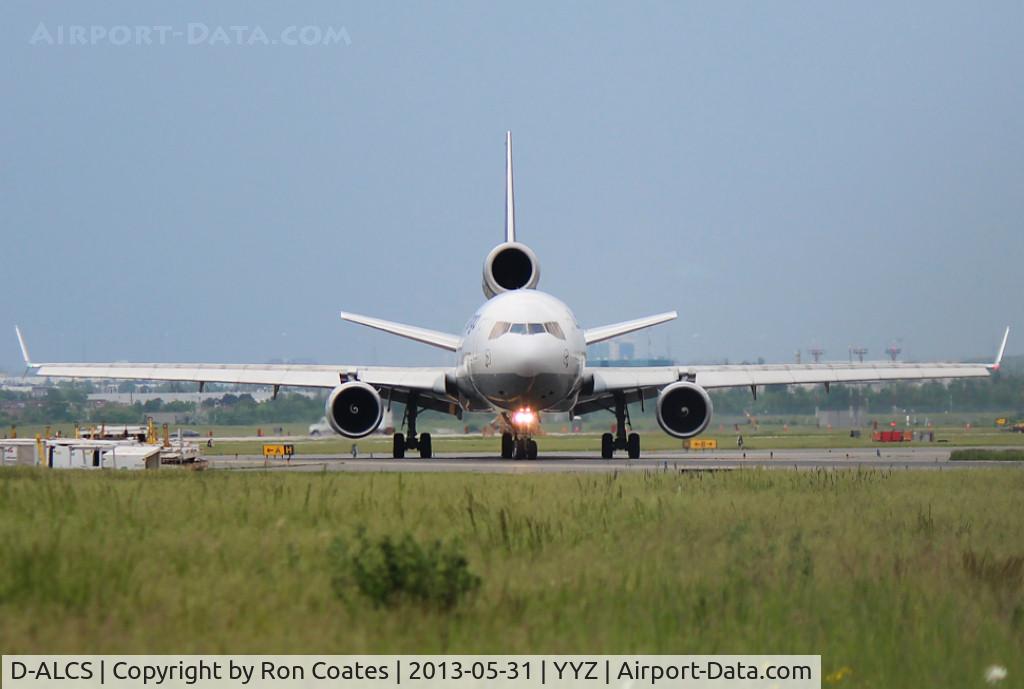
(521, 349)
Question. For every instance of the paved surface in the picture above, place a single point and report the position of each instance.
(902, 458)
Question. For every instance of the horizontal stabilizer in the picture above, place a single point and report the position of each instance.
(607, 332)
(430, 337)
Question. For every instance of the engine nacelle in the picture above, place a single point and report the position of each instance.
(684, 410)
(510, 266)
(354, 410)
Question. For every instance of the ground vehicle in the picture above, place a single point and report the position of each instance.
(321, 427)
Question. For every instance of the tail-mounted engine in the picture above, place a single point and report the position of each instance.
(510, 266)
(354, 409)
(684, 410)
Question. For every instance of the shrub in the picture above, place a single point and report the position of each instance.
(392, 571)
(978, 454)
(1001, 574)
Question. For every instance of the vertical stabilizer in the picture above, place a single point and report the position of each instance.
(510, 199)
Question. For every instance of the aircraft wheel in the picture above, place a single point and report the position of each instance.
(633, 446)
(607, 445)
(426, 450)
(520, 448)
(398, 446)
(508, 446)
(531, 449)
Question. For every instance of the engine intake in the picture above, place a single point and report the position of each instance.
(354, 410)
(684, 410)
(510, 266)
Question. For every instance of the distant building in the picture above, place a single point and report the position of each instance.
(854, 417)
(171, 418)
(620, 352)
(609, 363)
(34, 388)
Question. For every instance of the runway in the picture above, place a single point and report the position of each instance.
(927, 459)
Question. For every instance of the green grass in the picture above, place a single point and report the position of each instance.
(909, 579)
(977, 454)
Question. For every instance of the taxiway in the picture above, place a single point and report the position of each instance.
(901, 459)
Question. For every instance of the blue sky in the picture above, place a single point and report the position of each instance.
(782, 174)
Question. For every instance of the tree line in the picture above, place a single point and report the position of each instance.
(1002, 393)
(67, 404)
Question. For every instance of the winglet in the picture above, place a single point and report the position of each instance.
(510, 198)
(24, 349)
(1002, 348)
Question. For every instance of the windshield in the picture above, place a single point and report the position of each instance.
(502, 327)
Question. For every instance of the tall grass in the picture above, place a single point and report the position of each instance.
(908, 579)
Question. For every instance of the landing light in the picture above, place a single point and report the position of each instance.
(524, 417)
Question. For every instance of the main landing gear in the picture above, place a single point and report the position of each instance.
(401, 443)
(621, 441)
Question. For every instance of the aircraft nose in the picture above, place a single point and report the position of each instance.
(528, 371)
(537, 355)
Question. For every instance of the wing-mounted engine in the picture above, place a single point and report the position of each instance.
(354, 409)
(684, 410)
(509, 266)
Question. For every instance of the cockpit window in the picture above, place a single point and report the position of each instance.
(499, 329)
(502, 327)
(555, 329)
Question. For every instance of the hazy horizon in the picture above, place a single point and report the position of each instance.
(783, 175)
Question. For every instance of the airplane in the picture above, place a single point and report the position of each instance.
(523, 353)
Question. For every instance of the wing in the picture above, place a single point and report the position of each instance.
(603, 384)
(795, 374)
(310, 376)
(430, 384)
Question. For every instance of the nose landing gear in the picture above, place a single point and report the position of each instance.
(518, 447)
(526, 448)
